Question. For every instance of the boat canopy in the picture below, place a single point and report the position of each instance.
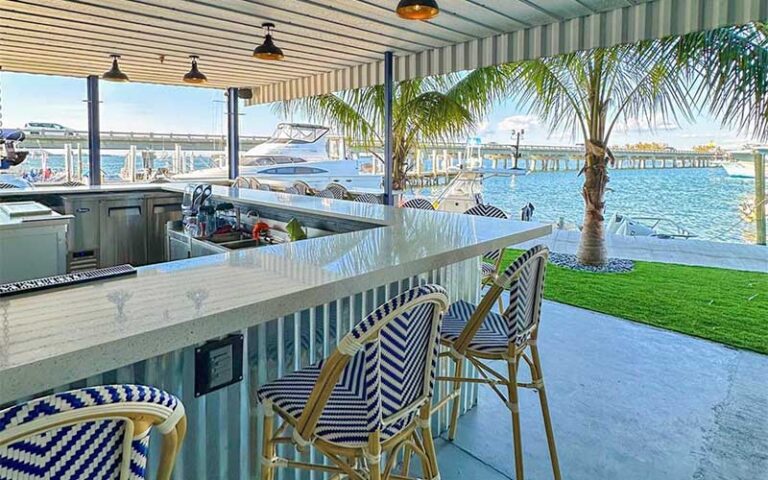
(297, 133)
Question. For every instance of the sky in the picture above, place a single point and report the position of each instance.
(141, 107)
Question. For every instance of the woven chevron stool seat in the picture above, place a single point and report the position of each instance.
(95, 433)
(474, 334)
(366, 403)
(492, 336)
(419, 204)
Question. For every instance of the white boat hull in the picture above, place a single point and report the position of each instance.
(740, 169)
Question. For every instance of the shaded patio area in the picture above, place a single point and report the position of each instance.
(628, 401)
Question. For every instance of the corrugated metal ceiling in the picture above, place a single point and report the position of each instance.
(329, 44)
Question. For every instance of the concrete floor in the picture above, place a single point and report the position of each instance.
(628, 401)
(735, 256)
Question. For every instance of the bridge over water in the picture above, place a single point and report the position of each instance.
(431, 162)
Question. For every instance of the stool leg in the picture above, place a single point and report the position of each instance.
(374, 451)
(268, 448)
(514, 407)
(429, 444)
(538, 379)
(407, 454)
(456, 402)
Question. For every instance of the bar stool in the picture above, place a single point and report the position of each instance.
(244, 182)
(339, 191)
(302, 187)
(371, 397)
(488, 268)
(474, 333)
(419, 203)
(368, 198)
(325, 194)
(95, 432)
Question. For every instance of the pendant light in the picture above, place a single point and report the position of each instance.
(114, 74)
(268, 50)
(194, 75)
(417, 9)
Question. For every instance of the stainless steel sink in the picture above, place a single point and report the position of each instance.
(238, 244)
(229, 238)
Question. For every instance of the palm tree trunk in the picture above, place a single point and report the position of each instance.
(592, 246)
(398, 172)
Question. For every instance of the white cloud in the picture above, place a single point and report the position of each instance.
(517, 122)
(658, 123)
(482, 127)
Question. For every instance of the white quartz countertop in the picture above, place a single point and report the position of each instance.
(59, 336)
(60, 189)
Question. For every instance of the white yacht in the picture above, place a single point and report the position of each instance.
(296, 151)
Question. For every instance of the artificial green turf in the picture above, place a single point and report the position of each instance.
(726, 306)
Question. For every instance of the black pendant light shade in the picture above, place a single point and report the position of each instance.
(417, 9)
(194, 75)
(114, 74)
(268, 50)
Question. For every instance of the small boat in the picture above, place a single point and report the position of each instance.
(658, 227)
(741, 164)
(740, 169)
(295, 151)
(465, 190)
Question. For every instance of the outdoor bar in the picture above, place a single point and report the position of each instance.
(120, 301)
(291, 304)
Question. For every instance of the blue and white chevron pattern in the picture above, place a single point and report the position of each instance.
(491, 337)
(339, 191)
(325, 194)
(367, 198)
(483, 210)
(382, 379)
(518, 320)
(302, 187)
(419, 204)
(487, 269)
(90, 450)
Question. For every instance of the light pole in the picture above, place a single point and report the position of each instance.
(518, 134)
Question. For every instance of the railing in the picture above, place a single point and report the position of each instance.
(190, 137)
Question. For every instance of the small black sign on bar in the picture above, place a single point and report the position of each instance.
(218, 364)
(64, 280)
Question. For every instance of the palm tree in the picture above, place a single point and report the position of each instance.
(591, 92)
(428, 109)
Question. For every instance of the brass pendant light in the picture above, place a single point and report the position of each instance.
(417, 9)
(194, 75)
(114, 74)
(268, 50)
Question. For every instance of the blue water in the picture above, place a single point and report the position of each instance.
(706, 201)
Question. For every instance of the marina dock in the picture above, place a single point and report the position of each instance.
(433, 164)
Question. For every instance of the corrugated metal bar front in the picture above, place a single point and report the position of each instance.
(224, 436)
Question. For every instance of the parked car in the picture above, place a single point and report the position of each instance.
(42, 128)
